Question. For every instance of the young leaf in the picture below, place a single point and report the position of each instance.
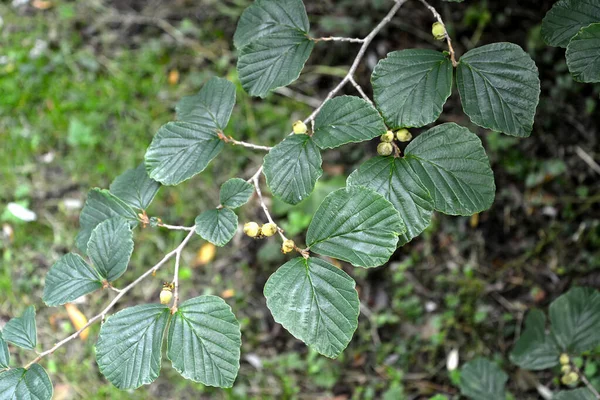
(100, 206)
(316, 302)
(535, 350)
(499, 88)
(357, 225)
(292, 168)
(22, 331)
(68, 279)
(347, 119)
(583, 54)
(575, 318)
(272, 36)
(452, 164)
(110, 248)
(566, 18)
(135, 187)
(128, 351)
(235, 193)
(394, 179)
(482, 379)
(410, 87)
(212, 106)
(25, 384)
(4, 354)
(204, 341)
(577, 394)
(181, 150)
(217, 226)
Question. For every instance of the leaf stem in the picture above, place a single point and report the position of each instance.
(438, 17)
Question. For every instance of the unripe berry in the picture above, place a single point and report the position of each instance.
(288, 246)
(570, 378)
(252, 229)
(387, 137)
(166, 294)
(269, 229)
(299, 127)
(565, 369)
(384, 149)
(438, 31)
(564, 359)
(403, 135)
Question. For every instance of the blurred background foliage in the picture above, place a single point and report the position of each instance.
(84, 85)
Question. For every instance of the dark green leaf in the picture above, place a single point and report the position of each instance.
(566, 18)
(453, 166)
(356, 225)
(316, 302)
(4, 354)
(217, 226)
(22, 331)
(292, 168)
(100, 206)
(499, 88)
(70, 278)
(128, 351)
(204, 341)
(395, 180)
(212, 106)
(535, 350)
(181, 150)
(410, 87)
(110, 248)
(235, 193)
(482, 379)
(583, 54)
(577, 394)
(135, 187)
(25, 384)
(347, 119)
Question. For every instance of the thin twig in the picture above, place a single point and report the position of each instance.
(585, 381)
(177, 227)
(438, 17)
(287, 92)
(361, 91)
(248, 145)
(589, 160)
(255, 181)
(338, 39)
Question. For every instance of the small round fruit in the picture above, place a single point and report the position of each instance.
(387, 137)
(166, 296)
(299, 127)
(384, 149)
(569, 379)
(438, 31)
(252, 229)
(269, 229)
(288, 246)
(564, 359)
(565, 369)
(403, 135)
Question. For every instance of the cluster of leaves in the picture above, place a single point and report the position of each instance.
(575, 24)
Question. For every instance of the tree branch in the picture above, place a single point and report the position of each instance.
(361, 91)
(337, 39)
(438, 17)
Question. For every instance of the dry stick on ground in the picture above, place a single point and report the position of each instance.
(439, 19)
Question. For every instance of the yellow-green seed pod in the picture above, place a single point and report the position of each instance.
(438, 31)
(269, 229)
(166, 295)
(565, 369)
(569, 379)
(387, 137)
(564, 359)
(384, 149)
(288, 246)
(252, 229)
(299, 127)
(403, 135)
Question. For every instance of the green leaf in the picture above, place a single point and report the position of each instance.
(110, 248)
(235, 193)
(357, 225)
(566, 18)
(181, 150)
(583, 54)
(499, 87)
(346, 119)
(4, 354)
(292, 168)
(577, 394)
(22, 331)
(128, 351)
(135, 187)
(316, 302)
(204, 341)
(452, 164)
(272, 36)
(410, 87)
(575, 318)
(100, 206)
(395, 180)
(482, 379)
(535, 350)
(68, 279)
(212, 106)
(217, 226)
(25, 384)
